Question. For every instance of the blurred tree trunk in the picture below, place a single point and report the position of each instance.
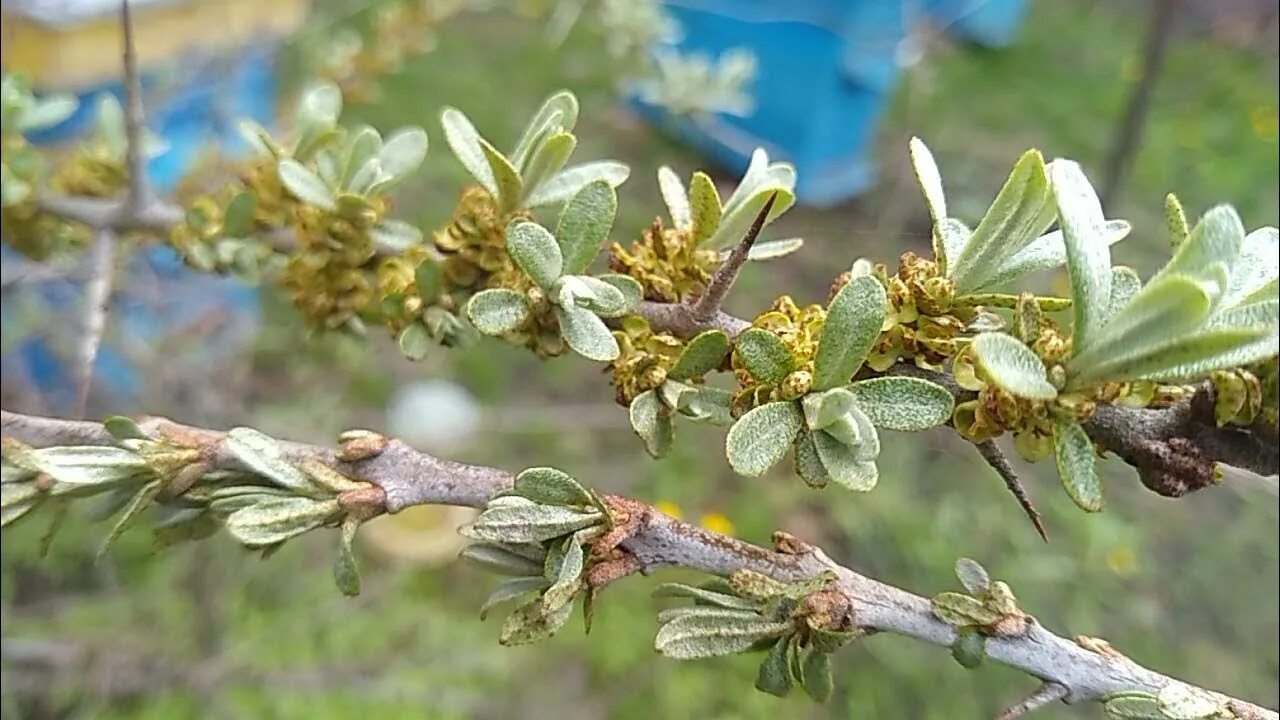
(1128, 135)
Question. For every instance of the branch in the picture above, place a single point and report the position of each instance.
(998, 462)
(708, 305)
(409, 477)
(96, 301)
(140, 192)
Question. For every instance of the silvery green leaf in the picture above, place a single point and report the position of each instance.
(89, 465)
(17, 493)
(548, 159)
(346, 573)
(497, 311)
(1175, 221)
(320, 103)
(1088, 255)
(652, 422)
(185, 525)
(428, 277)
(1133, 706)
(566, 183)
(498, 559)
(1264, 313)
(817, 675)
(771, 249)
(959, 610)
(807, 461)
(1047, 252)
(274, 520)
(675, 198)
(110, 121)
(704, 207)
(46, 112)
(10, 514)
(930, 180)
(669, 614)
(536, 251)
(702, 354)
(365, 177)
(1191, 357)
(823, 409)
(1077, 462)
(1184, 702)
(395, 235)
(632, 292)
(403, 152)
(603, 298)
(587, 334)
(844, 464)
(701, 636)
(1217, 238)
(584, 225)
(759, 439)
(676, 395)
(529, 624)
(705, 597)
(761, 174)
(903, 403)
(774, 677)
(123, 428)
(140, 501)
(1258, 265)
(568, 578)
(305, 185)
(505, 177)
(237, 220)
(529, 523)
(558, 112)
(464, 141)
(709, 405)
(513, 589)
(1013, 366)
(264, 456)
(972, 575)
(737, 219)
(1020, 212)
(969, 648)
(255, 136)
(853, 322)
(364, 143)
(415, 341)
(549, 486)
(1168, 307)
(764, 355)
(1125, 285)
(951, 236)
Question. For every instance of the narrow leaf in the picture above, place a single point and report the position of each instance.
(548, 159)
(403, 152)
(1088, 255)
(346, 573)
(512, 589)
(650, 421)
(264, 456)
(560, 111)
(817, 675)
(704, 201)
(505, 177)
(305, 185)
(854, 318)
(529, 523)
(569, 181)
(1017, 216)
(498, 559)
(972, 575)
(274, 520)
(930, 180)
(1077, 465)
(675, 197)
(701, 636)
(464, 141)
(140, 502)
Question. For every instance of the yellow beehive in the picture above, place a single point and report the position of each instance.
(78, 46)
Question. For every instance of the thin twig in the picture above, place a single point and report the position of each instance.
(97, 299)
(140, 194)
(1048, 692)
(713, 297)
(995, 457)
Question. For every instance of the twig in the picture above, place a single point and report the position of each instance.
(97, 299)
(1048, 692)
(408, 477)
(708, 304)
(140, 192)
(995, 457)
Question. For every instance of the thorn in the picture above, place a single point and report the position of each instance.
(997, 460)
(1047, 692)
(134, 119)
(96, 301)
(709, 303)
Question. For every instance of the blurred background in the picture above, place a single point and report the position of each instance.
(1151, 97)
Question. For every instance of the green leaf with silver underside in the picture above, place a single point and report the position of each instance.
(584, 225)
(632, 292)
(536, 251)
(972, 575)
(771, 249)
(1013, 366)
(675, 198)
(1216, 240)
(807, 461)
(903, 403)
(264, 456)
(401, 154)
(505, 177)
(1193, 357)
(499, 559)
(1047, 252)
(497, 311)
(761, 175)
(346, 572)
(950, 236)
(704, 207)
(305, 185)
(764, 355)
(88, 466)
(709, 405)
(464, 141)
(530, 623)
(762, 436)
(237, 221)
(652, 422)
(566, 575)
(774, 677)
(737, 220)
(1077, 465)
(276, 519)
(531, 522)
(138, 504)
(597, 295)
(817, 675)
(929, 178)
(848, 466)
(549, 486)
(1088, 254)
(566, 183)
(701, 636)
(587, 334)
(515, 588)
(1125, 286)
(704, 596)
(395, 235)
(1019, 214)
(1257, 265)
(704, 353)
(854, 318)
(823, 409)
(550, 158)
(558, 111)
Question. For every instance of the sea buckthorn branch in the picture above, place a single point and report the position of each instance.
(558, 540)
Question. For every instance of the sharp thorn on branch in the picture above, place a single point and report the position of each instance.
(997, 460)
(708, 304)
(1048, 692)
(97, 298)
(134, 119)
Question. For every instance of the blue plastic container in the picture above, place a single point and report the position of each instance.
(826, 70)
(157, 296)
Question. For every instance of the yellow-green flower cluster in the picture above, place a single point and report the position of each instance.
(666, 263)
(474, 243)
(799, 329)
(643, 360)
